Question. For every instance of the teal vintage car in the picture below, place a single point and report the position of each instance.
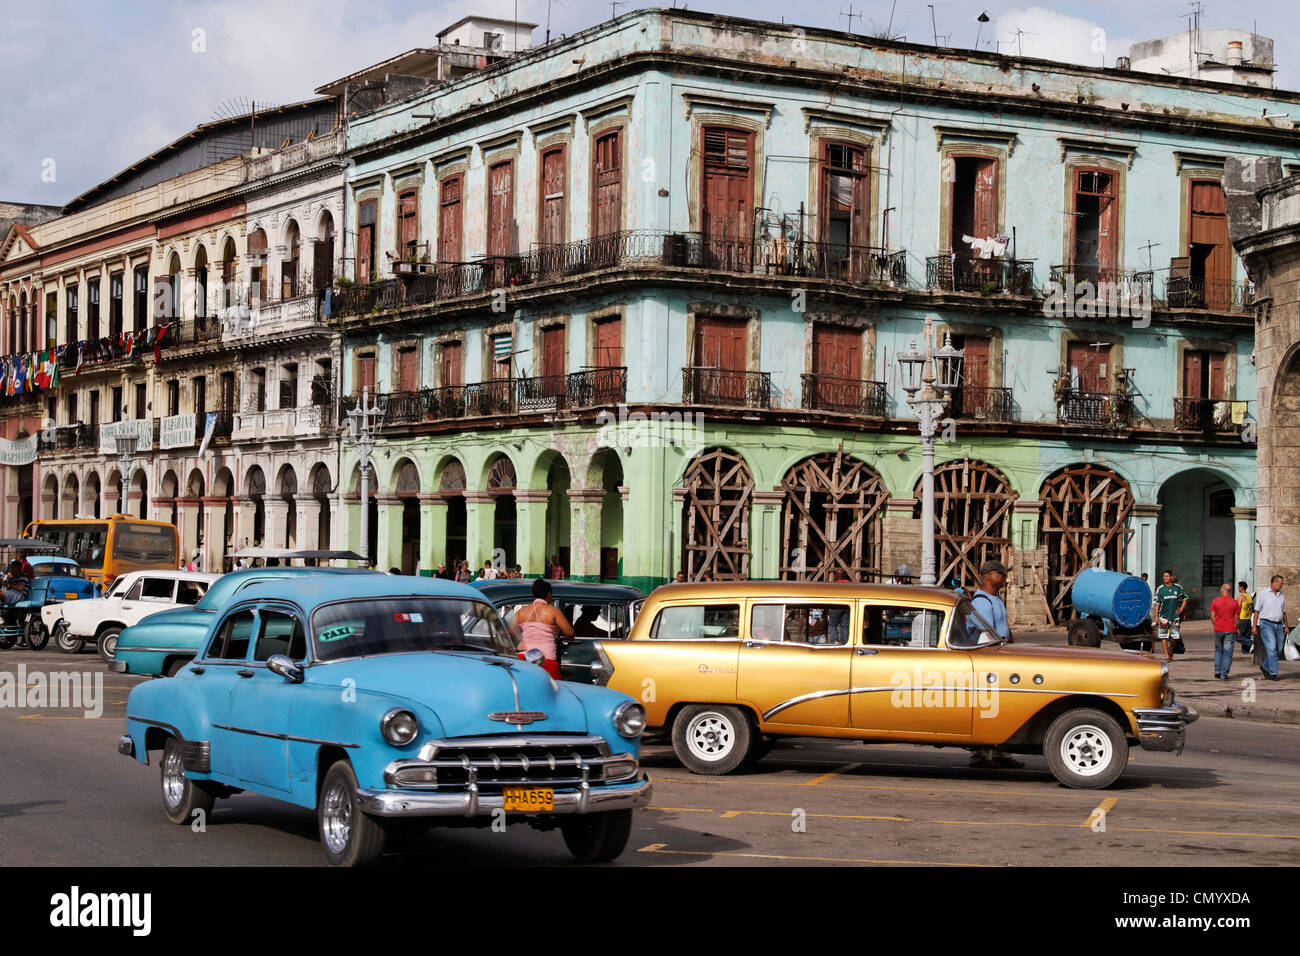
(164, 642)
(376, 699)
(56, 579)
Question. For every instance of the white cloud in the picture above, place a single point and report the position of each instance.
(1047, 35)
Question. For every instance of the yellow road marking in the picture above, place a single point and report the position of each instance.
(60, 717)
(826, 776)
(732, 814)
(686, 781)
(1099, 812)
(663, 848)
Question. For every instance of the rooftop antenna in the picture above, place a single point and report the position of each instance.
(851, 15)
(1148, 247)
(889, 30)
(933, 28)
(1020, 47)
(614, 5)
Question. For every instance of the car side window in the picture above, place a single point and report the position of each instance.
(281, 634)
(693, 622)
(190, 592)
(232, 640)
(157, 589)
(800, 623)
(599, 621)
(134, 593)
(896, 626)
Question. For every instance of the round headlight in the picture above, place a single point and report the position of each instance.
(629, 719)
(399, 727)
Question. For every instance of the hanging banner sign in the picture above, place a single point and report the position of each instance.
(143, 427)
(18, 452)
(207, 433)
(176, 431)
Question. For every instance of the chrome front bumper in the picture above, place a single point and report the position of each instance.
(472, 803)
(1164, 728)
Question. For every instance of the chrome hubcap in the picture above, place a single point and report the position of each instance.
(710, 736)
(1086, 750)
(110, 646)
(336, 817)
(173, 779)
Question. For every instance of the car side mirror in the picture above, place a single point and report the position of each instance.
(534, 656)
(286, 668)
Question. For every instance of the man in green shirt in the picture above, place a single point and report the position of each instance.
(1170, 602)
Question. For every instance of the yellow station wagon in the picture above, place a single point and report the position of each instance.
(726, 667)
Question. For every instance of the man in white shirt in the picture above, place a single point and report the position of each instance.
(1270, 624)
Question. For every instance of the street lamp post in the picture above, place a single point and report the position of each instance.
(362, 422)
(126, 446)
(928, 379)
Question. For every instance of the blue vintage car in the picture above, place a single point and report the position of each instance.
(56, 579)
(376, 699)
(163, 643)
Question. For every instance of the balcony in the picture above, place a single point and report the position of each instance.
(1207, 415)
(222, 428)
(304, 421)
(982, 404)
(953, 273)
(70, 437)
(1215, 295)
(1096, 409)
(847, 396)
(429, 283)
(1128, 285)
(276, 317)
(726, 388)
(591, 388)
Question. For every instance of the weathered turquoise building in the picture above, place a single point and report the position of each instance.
(635, 299)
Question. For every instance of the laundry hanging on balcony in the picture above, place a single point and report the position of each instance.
(990, 247)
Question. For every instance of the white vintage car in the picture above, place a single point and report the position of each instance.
(132, 597)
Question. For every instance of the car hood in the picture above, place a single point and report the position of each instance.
(465, 689)
(1040, 653)
(181, 619)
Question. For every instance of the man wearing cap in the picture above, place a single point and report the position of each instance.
(903, 575)
(988, 604)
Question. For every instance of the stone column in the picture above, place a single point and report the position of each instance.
(765, 536)
(245, 512)
(388, 545)
(276, 510)
(308, 517)
(1141, 548)
(347, 529)
(188, 514)
(530, 509)
(214, 538)
(433, 532)
(480, 512)
(902, 539)
(1244, 524)
(47, 505)
(584, 533)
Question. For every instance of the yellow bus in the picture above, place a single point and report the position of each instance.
(109, 547)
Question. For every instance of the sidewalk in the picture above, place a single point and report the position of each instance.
(1192, 677)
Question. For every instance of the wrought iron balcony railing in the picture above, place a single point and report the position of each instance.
(726, 388)
(1209, 415)
(1098, 409)
(1130, 284)
(982, 403)
(1215, 295)
(957, 273)
(836, 261)
(849, 396)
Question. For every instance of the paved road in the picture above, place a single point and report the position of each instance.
(67, 798)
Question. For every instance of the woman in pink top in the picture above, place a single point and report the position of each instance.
(538, 624)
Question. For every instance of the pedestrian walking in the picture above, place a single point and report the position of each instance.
(1270, 625)
(1170, 603)
(987, 602)
(538, 625)
(1247, 605)
(462, 572)
(1224, 610)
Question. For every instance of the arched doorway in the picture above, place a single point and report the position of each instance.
(831, 519)
(717, 492)
(71, 496)
(201, 288)
(50, 497)
(290, 281)
(1196, 536)
(1086, 509)
(451, 485)
(501, 486)
(406, 487)
(558, 515)
(140, 491)
(321, 490)
(192, 532)
(92, 497)
(170, 489)
(175, 307)
(229, 288)
(607, 472)
(323, 253)
(972, 518)
(255, 485)
(223, 486)
(288, 494)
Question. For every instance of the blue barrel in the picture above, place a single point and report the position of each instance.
(1122, 598)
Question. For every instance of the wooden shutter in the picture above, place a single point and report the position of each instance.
(366, 213)
(720, 343)
(986, 199)
(839, 162)
(452, 365)
(408, 369)
(366, 373)
(975, 364)
(553, 351)
(1193, 370)
(609, 344)
(408, 225)
(1216, 362)
(551, 215)
(1093, 365)
(607, 177)
(449, 219)
(322, 263)
(501, 209)
(837, 352)
(1208, 228)
(728, 183)
(1108, 246)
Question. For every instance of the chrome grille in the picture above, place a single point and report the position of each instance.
(487, 764)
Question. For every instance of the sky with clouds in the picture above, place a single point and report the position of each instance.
(96, 85)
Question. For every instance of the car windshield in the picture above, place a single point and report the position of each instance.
(970, 628)
(62, 570)
(401, 625)
(118, 587)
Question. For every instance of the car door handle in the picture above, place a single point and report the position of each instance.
(245, 672)
(753, 644)
(865, 651)
(197, 670)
